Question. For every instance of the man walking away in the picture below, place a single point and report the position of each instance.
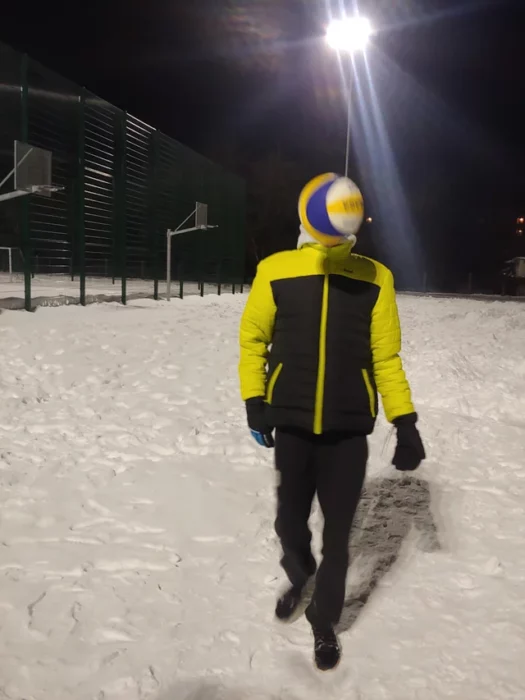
(320, 337)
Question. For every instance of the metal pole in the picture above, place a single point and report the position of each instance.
(349, 116)
(120, 252)
(168, 268)
(80, 197)
(13, 195)
(153, 228)
(124, 183)
(24, 215)
(10, 264)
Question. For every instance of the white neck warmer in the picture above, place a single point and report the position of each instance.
(306, 239)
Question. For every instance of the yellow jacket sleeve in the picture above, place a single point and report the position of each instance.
(256, 336)
(389, 375)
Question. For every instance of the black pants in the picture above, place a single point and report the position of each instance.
(334, 466)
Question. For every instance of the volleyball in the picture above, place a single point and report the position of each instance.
(331, 208)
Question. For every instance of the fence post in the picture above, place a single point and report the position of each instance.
(181, 281)
(120, 198)
(152, 211)
(24, 204)
(80, 196)
(425, 281)
(169, 239)
(219, 279)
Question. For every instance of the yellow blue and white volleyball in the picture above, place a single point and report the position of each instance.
(331, 208)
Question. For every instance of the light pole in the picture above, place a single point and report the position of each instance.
(349, 35)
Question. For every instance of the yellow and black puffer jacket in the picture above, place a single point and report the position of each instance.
(319, 337)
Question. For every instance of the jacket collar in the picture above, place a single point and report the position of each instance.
(338, 252)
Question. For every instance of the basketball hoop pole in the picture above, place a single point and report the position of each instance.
(12, 195)
(169, 236)
(201, 224)
(37, 189)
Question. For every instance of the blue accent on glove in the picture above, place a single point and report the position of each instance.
(263, 439)
(261, 430)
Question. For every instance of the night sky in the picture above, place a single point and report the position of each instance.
(439, 114)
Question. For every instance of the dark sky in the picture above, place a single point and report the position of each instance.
(443, 124)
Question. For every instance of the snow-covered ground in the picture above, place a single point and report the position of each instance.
(137, 556)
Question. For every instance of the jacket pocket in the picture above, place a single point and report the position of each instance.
(370, 391)
(272, 382)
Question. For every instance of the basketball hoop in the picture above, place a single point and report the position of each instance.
(43, 190)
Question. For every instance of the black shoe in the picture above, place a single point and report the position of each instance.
(326, 648)
(289, 603)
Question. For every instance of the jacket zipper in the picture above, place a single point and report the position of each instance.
(321, 371)
(273, 381)
(370, 391)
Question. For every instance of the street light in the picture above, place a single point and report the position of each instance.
(349, 35)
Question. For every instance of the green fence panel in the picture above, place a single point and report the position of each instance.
(138, 173)
(99, 155)
(10, 129)
(53, 104)
(124, 184)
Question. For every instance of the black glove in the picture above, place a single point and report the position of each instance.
(409, 451)
(257, 422)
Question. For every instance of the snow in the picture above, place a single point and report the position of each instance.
(138, 559)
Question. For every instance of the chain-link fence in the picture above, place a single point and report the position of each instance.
(125, 184)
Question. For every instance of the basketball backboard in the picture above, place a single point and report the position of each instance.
(201, 215)
(32, 172)
(33, 169)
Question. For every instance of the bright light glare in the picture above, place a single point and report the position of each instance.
(350, 34)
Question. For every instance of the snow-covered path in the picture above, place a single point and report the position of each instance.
(137, 555)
